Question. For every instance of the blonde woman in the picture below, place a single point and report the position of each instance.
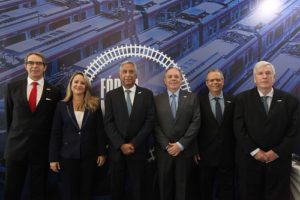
(77, 145)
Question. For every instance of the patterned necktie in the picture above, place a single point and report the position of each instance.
(32, 97)
(264, 99)
(218, 110)
(173, 105)
(128, 101)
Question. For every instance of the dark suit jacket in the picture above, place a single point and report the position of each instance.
(255, 129)
(71, 142)
(28, 133)
(184, 128)
(216, 141)
(120, 128)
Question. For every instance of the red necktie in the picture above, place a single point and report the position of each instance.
(32, 97)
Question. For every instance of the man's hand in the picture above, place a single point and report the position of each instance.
(260, 156)
(100, 160)
(271, 156)
(127, 149)
(54, 166)
(173, 149)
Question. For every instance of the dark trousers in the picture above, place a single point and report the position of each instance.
(16, 172)
(173, 176)
(264, 184)
(78, 178)
(127, 179)
(216, 183)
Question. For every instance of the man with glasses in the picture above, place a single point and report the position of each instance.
(265, 125)
(29, 106)
(216, 141)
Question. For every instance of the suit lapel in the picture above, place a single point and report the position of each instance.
(46, 96)
(227, 103)
(209, 108)
(85, 117)
(276, 100)
(165, 103)
(258, 102)
(122, 102)
(138, 98)
(181, 103)
(24, 95)
(71, 114)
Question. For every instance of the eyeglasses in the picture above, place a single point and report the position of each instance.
(37, 63)
(213, 80)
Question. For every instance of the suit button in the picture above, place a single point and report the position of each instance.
(79, 132)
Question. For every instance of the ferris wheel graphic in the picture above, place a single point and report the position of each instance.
(127, 51)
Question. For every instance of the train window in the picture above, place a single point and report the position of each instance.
(112, 39)
(185, 4)
(34, 33)
(160, 18)
(212, 29)
(244, 10)
(69, 59)
(279, 32)
(295, 18)
(269, 39)
(236, 69)
(174, 52)
(187, 44)
(42, 29)
(59, 23)
(15, 39)
(76, 18)
(171, 12)
(224, 21)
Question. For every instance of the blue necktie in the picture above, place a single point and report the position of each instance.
(173, 105)
(218, 110)
(264, 99)
(128, 101)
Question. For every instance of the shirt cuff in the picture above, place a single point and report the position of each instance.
(254, 152)
(180, 146)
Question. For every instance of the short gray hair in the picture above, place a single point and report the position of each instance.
(173, 67)
(262, 64)
(214, 70)
(128, 62)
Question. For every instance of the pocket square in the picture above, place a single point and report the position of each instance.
(278, 100)
(228, 101)
(184, 96)
(48, 89)
(140, 92)
(48, 99)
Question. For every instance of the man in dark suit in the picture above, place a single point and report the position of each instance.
(265, 124)
(178, 122)
(129, 120)
(216, 141)
(30, 106)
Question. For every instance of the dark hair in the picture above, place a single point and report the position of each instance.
(37, 54)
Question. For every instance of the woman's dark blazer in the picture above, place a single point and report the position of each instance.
(71, 142)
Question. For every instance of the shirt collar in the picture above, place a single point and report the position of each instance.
(40, 82)
(270, 94)
(132, 89)
(211, 97)
(176, 93)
